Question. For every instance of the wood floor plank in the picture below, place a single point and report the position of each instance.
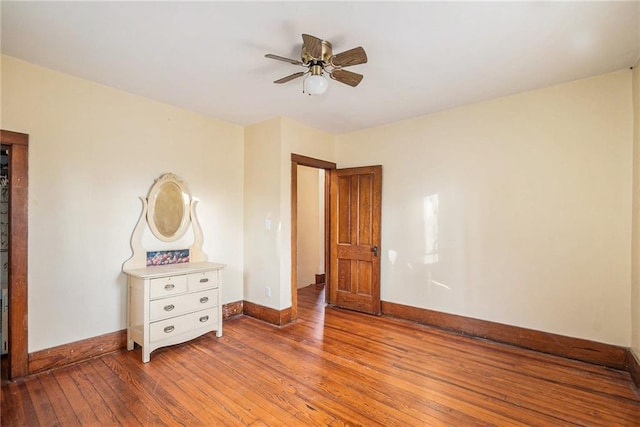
(59, 403)
(26, 404)
(10, 413)
(115, 409)
(191, 386)
(126, 395)
(331, 367)
(19, 408)
(153, 400)
(293, 398)
(249, 395)
(98, 402)
(77, 396)
(283, 391)
(223, 394)
(41, 403)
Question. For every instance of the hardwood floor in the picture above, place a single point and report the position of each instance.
(331, 367)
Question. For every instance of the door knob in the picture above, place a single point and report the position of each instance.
(374, 250)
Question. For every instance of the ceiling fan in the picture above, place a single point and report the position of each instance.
(317, 56)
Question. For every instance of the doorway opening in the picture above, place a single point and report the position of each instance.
(310, 220)
(309, 194)
(352, 235)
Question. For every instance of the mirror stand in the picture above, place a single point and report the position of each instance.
(173, 294)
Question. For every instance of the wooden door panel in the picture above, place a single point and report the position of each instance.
(355, 238)
(365, 188)
(355, 252)
(344, 275)
(364, 277)
(353, 302)
(345, 219)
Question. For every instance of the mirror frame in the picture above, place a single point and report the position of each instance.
(156, 191)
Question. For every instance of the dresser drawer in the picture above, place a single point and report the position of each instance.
(177, 325)
(206, 279)
(174, 306)
(167, 286)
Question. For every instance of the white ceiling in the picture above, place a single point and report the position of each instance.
(424, 57)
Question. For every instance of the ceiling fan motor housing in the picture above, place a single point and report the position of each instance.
(325, 56)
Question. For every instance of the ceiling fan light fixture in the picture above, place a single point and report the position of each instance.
(315, 84)
(317, 56)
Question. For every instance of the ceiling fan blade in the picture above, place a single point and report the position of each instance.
(354, 56)
(346, 77)
(288, 78)
(313, 45)
(282, 58)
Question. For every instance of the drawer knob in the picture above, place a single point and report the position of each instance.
(169, 329)
(169, 307)
(204, 280)
(169, 287)
(204, 319)
(204, 299)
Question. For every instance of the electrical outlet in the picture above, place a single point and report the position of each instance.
(267, 292)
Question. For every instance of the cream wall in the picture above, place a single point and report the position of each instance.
(268, 148)
(514, 210)
(300, 139)
(93, 151)
(262, 220)
(635, 252)
(309, 219)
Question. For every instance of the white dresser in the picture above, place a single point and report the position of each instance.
(171, 304)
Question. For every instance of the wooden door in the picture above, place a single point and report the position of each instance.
(356, 195)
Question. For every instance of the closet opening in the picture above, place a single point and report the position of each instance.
(4, 259)
(13, 262)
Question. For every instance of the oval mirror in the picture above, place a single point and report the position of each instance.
(168, 214)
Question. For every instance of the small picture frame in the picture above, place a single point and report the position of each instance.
(178, 256)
